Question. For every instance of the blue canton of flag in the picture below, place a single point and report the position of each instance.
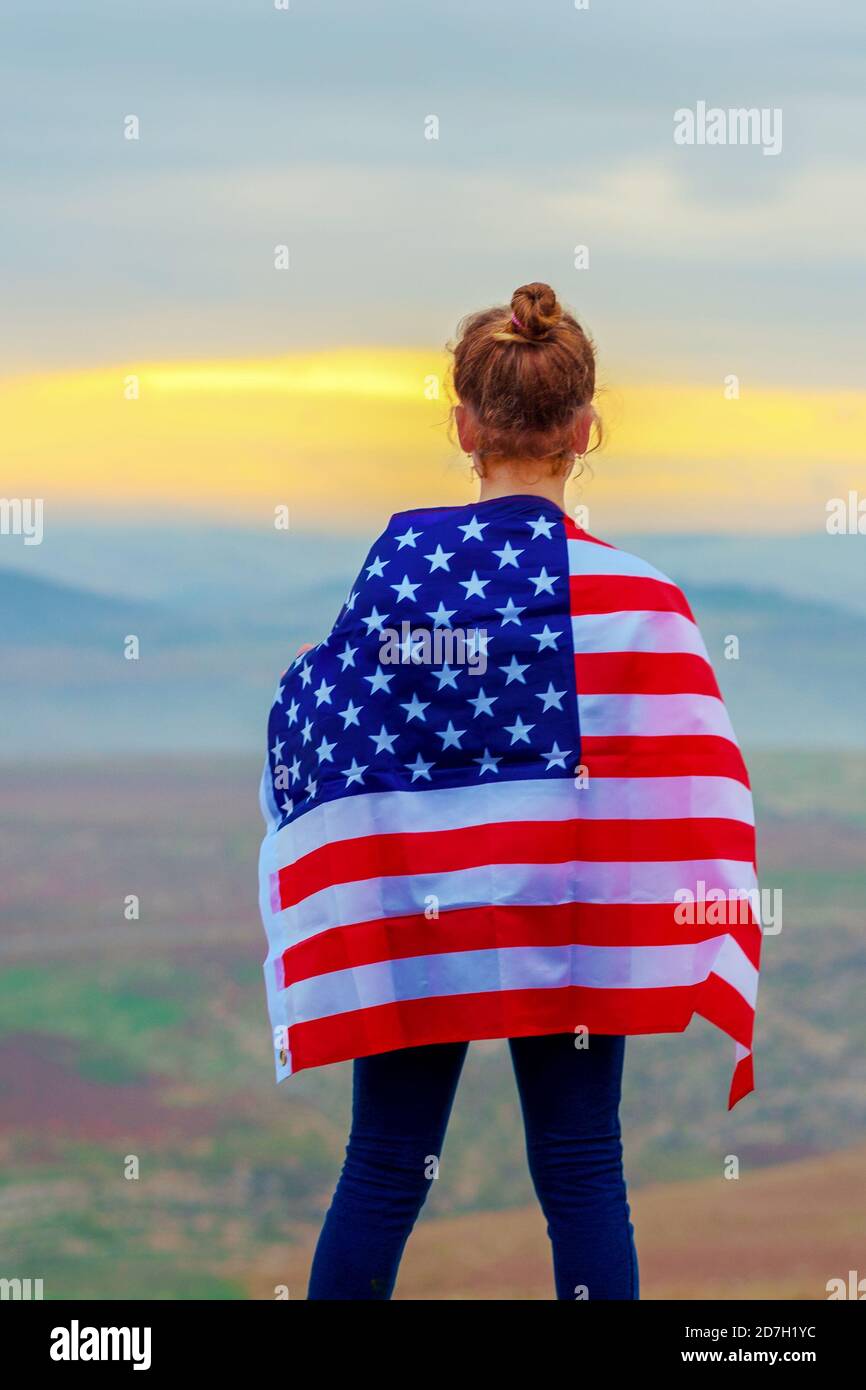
(348, 718)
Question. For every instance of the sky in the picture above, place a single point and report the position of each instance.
(306, 127)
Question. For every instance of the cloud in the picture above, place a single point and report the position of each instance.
(164, 263)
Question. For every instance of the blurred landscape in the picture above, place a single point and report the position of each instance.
(220, 612)
(150, 1037)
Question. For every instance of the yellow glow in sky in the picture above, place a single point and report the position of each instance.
(346, 437)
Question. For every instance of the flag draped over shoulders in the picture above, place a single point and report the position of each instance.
(503, 797)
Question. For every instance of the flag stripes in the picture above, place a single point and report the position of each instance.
(485, 928)
(649, 703)
(619, 894)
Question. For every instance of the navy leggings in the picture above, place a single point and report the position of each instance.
(401, 1103)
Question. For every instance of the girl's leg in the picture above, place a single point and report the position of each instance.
(570, 1102)
(400, 1108)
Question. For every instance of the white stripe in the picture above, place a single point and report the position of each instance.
(576, 881)
(502, 803)
(485, 972)
(653, 715)
(586, 558)
(278, 1005)
(636, 630)
(666, 798)
(734, 966)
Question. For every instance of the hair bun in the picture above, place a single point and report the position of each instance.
(536, 310)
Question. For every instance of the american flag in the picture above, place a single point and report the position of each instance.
(553, 833)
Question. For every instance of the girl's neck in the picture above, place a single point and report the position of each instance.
(512, 481)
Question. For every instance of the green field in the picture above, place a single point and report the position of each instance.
(150, 1039)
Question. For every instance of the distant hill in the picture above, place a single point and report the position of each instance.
(208, 669)
(801, 668)
(37, 612)
(203, 568)
(816, 567)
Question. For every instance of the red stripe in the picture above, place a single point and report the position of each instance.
(501, 1014)
(574, 533)
(724, 1006)
(615, 593)
(742, 1081)
(518, 842)
(662, 755)
(644, 673)
(486, 928)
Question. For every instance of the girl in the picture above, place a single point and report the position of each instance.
(507, 844)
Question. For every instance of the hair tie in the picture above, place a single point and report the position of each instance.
(517, 324)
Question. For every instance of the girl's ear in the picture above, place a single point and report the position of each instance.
(583, 429)
(465, 429)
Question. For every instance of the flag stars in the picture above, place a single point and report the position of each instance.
(552, 699)
(447, 677)
(442, 616)
(450, 737)
(349, 715)
(379, 681)
(409, 538)
(383, 740)
(542, 526)
(311, 695)
(483, 703)
(519, 731)
(415, 709)
(511, 613)
(508, 555)
(375, 621)
(474, 586)
(419, 769)
(514, 671)
(556, 757)
(377, 568)
(405, 589)
(355, 773)
(546, 638)
(488, 763)
(543, 582)
(407, 647)
(472, 530)
(439, 559)
(325, 751)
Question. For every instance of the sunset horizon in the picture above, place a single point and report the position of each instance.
(232, 438)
